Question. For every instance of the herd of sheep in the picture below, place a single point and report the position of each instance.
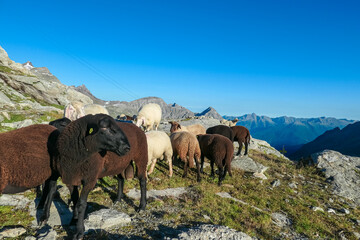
(82, 147)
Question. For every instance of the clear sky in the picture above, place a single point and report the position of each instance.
(297, 58)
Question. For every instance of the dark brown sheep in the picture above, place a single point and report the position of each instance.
(219, 150)
(79, 158)
(121, 166)
(222, 130)
(25, 160)
(241, 135)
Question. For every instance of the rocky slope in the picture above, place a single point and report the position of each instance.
(25, 89)
(289, 132)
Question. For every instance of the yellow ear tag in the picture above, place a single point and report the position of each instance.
(91, 130)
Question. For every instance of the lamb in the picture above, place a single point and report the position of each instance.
(76, 110)
(149, 116)
(222, 130)
(78, 158)
(159, 147)
(241, 135)
(186, 146)
(218, 149)
(194, 129)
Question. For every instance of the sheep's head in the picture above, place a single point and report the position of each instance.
(174, 126)
(60, 123)
(103, 134)
(140, 121)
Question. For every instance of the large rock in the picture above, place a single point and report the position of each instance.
(263, 146)
(247, 164)
(106, 219)
(158, 194)
(342, 171)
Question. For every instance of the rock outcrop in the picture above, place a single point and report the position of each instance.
(27, 87)
(342, 171)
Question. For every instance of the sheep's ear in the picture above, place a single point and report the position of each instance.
(92, 129)
(178, 126)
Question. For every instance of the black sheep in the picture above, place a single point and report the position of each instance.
(241, 135)
(222, 130)
(77, 159)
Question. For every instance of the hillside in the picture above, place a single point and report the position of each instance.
(345, 141)
(289, 132)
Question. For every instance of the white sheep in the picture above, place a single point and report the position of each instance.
(148, 116)
(229, 123)
(76, 110)
(159, 147)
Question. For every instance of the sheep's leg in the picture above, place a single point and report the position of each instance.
(197, 161)
(142, 205)
(246, 148)
(240, 147)
(169, 160)
(49, 198)
(185, 167)
(81, 206)
(44, 194)
(152, 166)
(74, 192)
(212, 168)
(120, 191)
(202, 164)
(221, 174)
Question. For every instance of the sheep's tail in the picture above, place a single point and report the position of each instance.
(191, 155)
(248, 138)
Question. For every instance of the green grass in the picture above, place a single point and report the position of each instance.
(13, 217)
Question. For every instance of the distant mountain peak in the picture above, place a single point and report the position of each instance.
(28, 65)
(210, 112)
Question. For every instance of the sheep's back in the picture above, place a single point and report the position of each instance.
(222, 130)
(196, 129)
(215, 146)
(151, 111)
(25, 159)
(115, 164)
(158, 143)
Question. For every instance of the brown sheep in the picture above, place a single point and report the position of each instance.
(219, 150)
(241, 135)
(25, 159)
(194, 129)
(186, 146)
(79, 159)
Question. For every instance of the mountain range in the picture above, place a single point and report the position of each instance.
(288, 133)
(345, 141)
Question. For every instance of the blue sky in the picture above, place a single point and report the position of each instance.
(274, 58)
